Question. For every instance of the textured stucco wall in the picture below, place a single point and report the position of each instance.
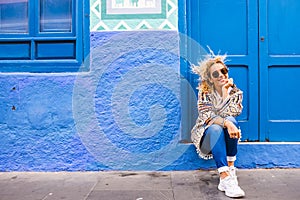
(44, 123)
(39, 133)
(125, 114)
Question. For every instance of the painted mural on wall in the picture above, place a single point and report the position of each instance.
(126, 15)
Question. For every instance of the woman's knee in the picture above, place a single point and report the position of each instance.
(215, 130)
(214, 138)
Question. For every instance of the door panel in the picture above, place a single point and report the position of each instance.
(283, 27)
(279, 69)
(223, 25)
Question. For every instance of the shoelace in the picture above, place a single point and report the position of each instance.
(232, 171)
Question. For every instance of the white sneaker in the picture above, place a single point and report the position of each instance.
(229, 186)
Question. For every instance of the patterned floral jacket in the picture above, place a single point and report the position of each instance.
(211, 105)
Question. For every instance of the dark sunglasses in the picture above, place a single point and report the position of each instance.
(216, 74)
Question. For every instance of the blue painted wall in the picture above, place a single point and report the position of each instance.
(125, 114)
(128, 112)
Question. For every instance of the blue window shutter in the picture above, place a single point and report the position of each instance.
(55, 39)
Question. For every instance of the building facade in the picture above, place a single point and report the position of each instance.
(106, 84)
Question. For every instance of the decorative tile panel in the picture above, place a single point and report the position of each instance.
(127, 15)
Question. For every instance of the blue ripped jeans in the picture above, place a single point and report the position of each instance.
(216, 140)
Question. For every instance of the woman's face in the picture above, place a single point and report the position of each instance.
(218, 75)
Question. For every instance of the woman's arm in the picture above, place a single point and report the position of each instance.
(233, 131)
(205, 113)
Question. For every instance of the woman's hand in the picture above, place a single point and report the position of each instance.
(233, 131)
(225, 88)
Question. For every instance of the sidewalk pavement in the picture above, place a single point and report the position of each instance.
(262, 184)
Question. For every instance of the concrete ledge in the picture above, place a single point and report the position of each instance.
(269, 155)
(251, 155)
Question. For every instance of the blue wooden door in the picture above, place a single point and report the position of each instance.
(279, 55)
(231, 27)
(261, 39)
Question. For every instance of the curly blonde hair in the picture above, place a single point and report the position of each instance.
(203, 68)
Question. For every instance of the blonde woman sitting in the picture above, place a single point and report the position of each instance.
(216, 132)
